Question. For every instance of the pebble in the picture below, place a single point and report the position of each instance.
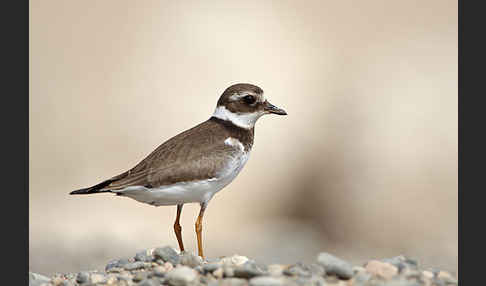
(83, 277)
(335, 266)
(247, 271)
(234, 260)
(381, 269)
(213, 260)
(191, 260)
(266, 281)
(144, 256)
(210, 267)
(117, 263)
(401, 262)
(134, 265)
(218, 273)
(301, 269)
(167, 254)
(181, 276)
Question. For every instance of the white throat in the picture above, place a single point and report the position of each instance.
(243, 120)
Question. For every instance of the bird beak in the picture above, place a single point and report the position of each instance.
(270, 108)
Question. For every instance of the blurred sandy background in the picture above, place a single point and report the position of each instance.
(364, 166)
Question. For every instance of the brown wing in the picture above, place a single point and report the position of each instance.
(196, 154)
(205, 166)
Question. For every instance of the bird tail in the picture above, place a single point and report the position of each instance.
(93, 190)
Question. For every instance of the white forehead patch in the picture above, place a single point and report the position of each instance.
(243, 120)
(235, 96)
(234, 143)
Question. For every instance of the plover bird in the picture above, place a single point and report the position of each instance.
(194, 165)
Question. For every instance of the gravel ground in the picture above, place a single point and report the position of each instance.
(166, 266)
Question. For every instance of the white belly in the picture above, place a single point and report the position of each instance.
(189, 192)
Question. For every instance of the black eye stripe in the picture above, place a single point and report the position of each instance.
(249, 99)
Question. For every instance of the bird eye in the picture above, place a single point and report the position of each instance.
(249, 99)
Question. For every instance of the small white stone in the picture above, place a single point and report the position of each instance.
(335, 266)
(234, 260)
(181, 276)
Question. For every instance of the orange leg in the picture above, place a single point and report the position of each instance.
(199, 230)
(178, 228)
